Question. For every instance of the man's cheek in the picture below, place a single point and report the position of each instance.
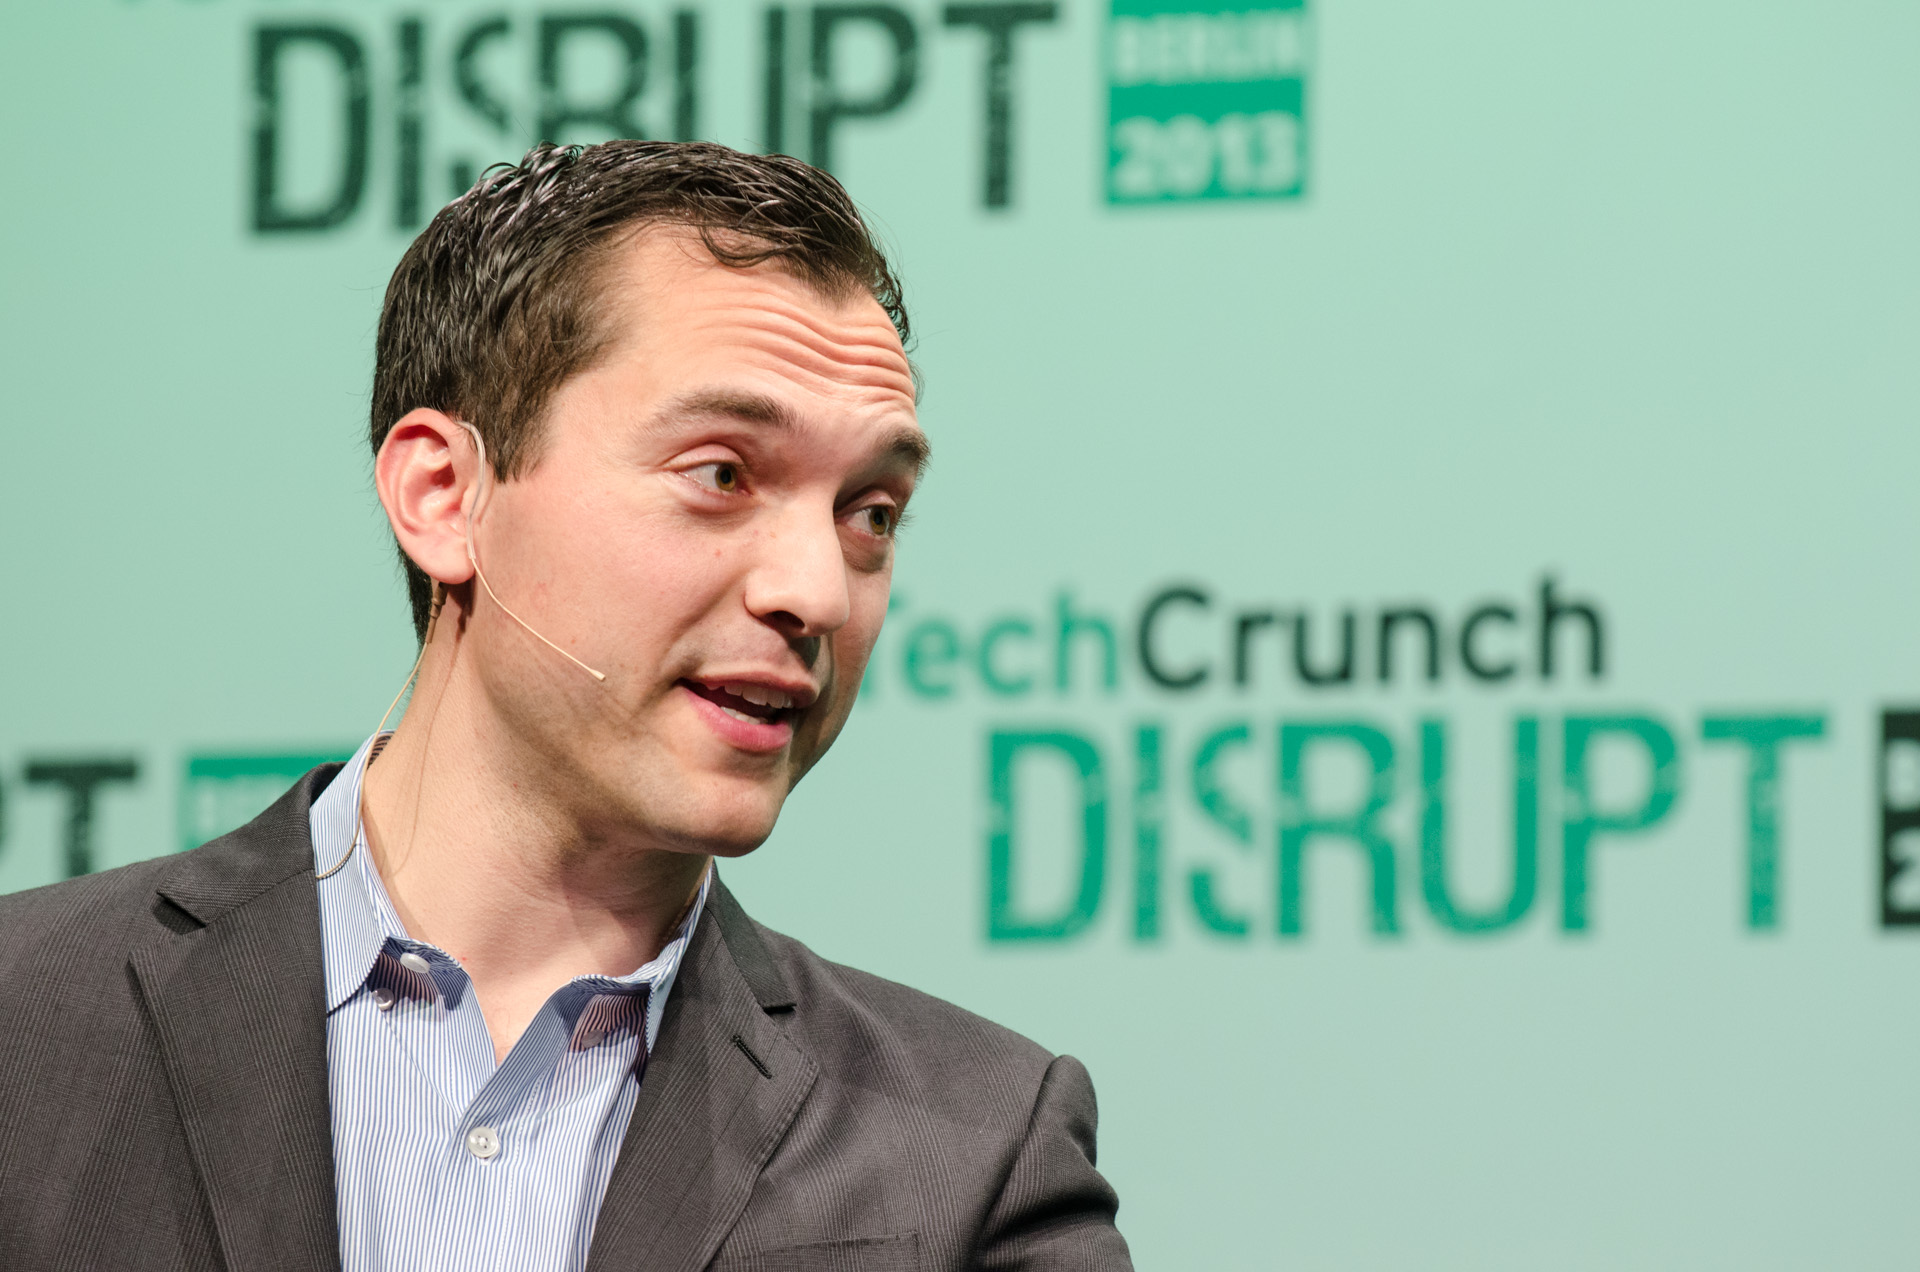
(829, 715)
(851, 652)
(834, 718)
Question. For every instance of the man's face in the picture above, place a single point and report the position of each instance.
(709, 520)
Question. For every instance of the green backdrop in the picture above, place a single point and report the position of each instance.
(1406, 659)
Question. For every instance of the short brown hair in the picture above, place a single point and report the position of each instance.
(494, 306)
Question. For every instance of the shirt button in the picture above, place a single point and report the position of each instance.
(414, 963)
(383, 999)
(592, 1037)
(483, 1142)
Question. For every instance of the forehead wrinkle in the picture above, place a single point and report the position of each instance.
(652, 263)
(874, 385)
(858, 355)
(863, 390)
(769, 288)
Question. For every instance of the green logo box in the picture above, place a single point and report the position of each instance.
(219, 793)
(1206, 104)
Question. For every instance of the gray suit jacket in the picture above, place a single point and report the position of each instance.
(163, 1095)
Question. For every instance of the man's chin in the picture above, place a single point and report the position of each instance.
(725, 819)
(688, 798)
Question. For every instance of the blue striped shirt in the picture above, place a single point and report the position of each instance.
(443, 1159)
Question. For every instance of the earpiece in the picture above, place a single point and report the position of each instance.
(485, 480)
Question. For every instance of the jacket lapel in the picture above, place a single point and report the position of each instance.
(234, 988)
(721, 1088)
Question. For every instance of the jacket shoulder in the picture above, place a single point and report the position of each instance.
(102, 916)
(99, 912)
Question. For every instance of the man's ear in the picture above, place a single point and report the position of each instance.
(426, 473)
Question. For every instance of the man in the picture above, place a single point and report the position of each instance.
(644, 430)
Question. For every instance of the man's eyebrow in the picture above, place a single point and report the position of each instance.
(908, 447)
(750, 408)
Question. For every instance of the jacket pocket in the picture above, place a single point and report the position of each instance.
(898, 1253)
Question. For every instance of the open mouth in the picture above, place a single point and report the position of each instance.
(755, 704)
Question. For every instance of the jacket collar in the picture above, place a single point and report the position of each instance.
(236, 868)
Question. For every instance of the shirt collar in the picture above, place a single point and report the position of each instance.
(350, 930)
(357, 918)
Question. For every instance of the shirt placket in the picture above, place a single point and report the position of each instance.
(428, 1002)
(496, 1111)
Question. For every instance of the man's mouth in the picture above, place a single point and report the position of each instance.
(743, 700)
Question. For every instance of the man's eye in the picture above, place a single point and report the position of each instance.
(879, 520)
(723, 477)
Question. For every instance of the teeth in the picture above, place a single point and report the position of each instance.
(760, 695)
(741, 715)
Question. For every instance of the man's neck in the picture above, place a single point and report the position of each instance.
(480, 864)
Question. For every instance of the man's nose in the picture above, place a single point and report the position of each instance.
(798, 582)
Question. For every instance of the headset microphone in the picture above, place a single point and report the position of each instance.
(473, 515)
